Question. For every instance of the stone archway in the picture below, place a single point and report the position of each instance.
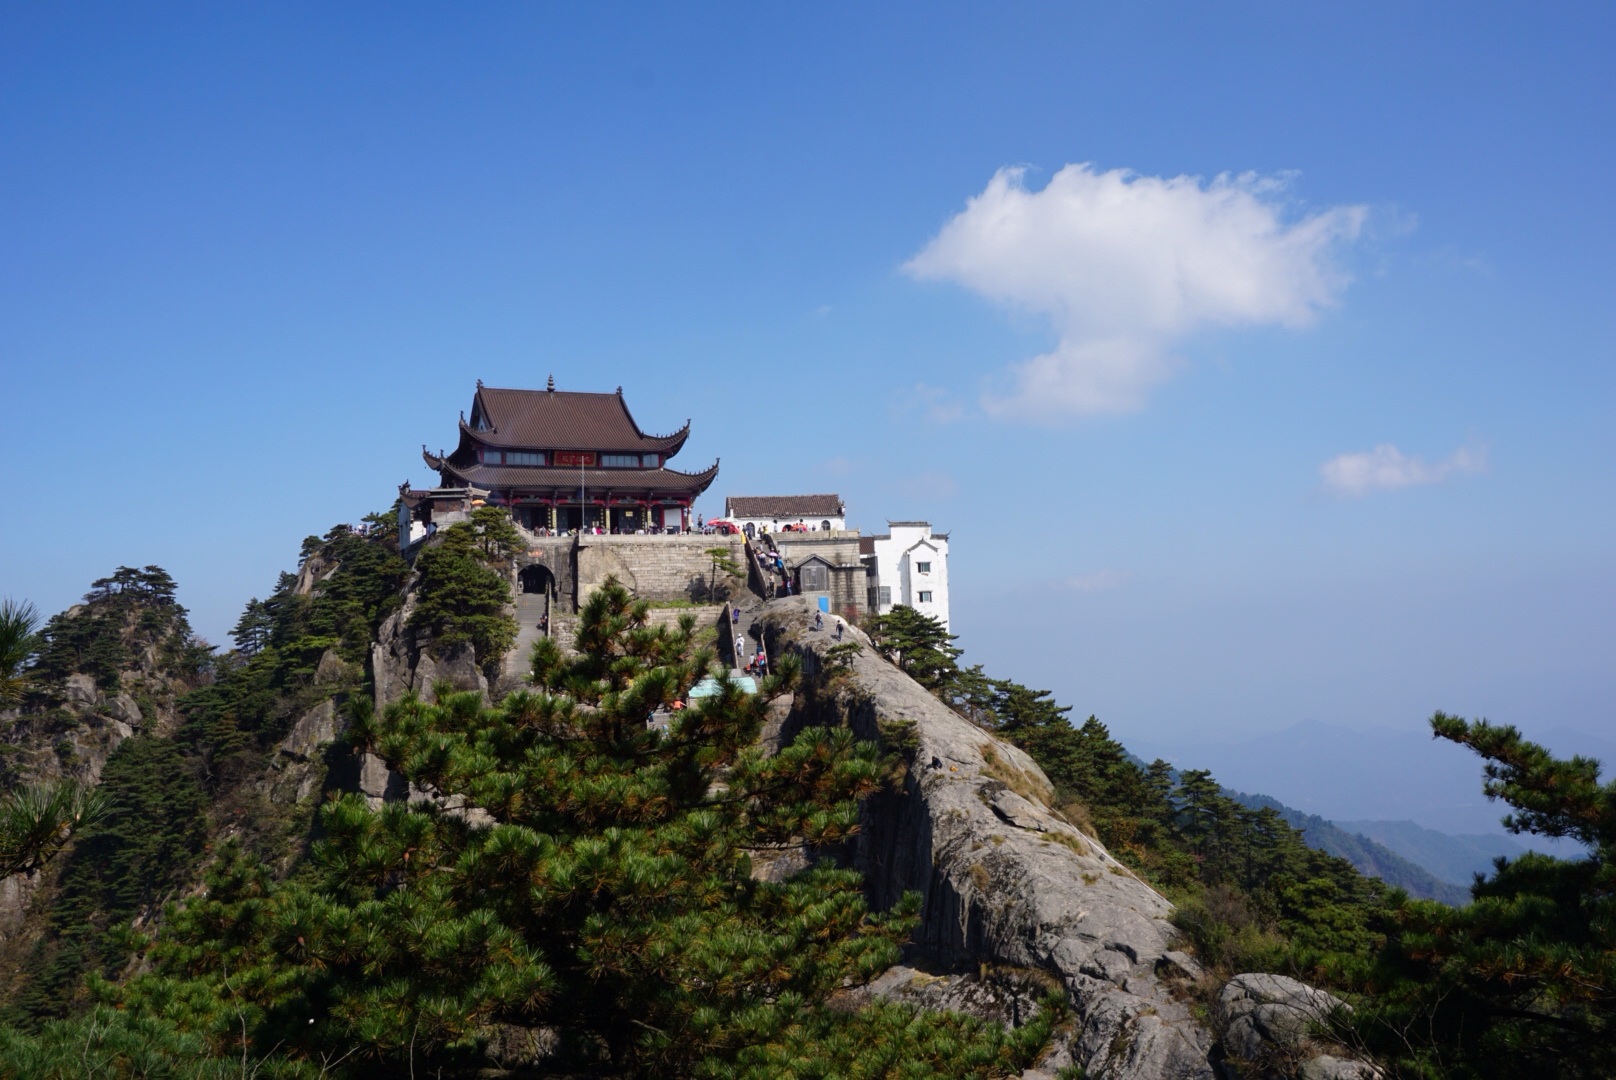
(537, 578)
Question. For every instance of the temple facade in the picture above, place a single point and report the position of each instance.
(562, 461)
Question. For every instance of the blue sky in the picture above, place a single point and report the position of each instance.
(250, 260)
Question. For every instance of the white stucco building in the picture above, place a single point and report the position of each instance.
(818, 513)
(909, 567)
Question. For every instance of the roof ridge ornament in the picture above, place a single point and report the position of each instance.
(479, 384)
(550, 385)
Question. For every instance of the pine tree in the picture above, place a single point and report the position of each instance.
(1522, 981)
(461, 599)
(918, 644)
(594, 881)
(496, 535)
(37, 821)
(18, 642)
(252, 631)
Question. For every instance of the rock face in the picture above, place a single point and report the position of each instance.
(401, 666)
(1270, 1024)
(1261, 1012)
(312, 730)
(1005, 880)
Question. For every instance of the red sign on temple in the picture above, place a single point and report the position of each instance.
(568, 457)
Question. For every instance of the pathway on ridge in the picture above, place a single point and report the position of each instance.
(530, 608)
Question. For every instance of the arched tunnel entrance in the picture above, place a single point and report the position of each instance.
(537, 579)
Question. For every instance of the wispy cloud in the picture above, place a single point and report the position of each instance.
(1386, 468)
(1125, 267)
(1103, 581)
(937, 404)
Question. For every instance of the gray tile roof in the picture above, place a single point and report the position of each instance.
(783, 506)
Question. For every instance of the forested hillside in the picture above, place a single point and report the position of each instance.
(1366, 855)
(560, 889)
(1521, 981)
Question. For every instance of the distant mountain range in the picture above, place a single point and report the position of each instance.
(1325, 766)
(1381, 775)
(1370, 856)
(1451, 858)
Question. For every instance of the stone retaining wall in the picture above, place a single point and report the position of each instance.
(656, 567)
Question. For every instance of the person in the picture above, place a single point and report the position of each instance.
(819, 620)
(761, 660)
(698, 521)
(544, 623)
(735, 616)
(839, 625)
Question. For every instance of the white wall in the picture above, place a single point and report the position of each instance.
(773, 524)
(898, 556)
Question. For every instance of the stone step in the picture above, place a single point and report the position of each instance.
(530, 609)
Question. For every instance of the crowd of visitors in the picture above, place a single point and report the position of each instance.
(772, 569)
(616, 530)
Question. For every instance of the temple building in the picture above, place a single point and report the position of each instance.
(560, 461)
(771, 513)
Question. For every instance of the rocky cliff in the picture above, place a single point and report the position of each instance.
(1016, 898)
(1005, 879)
(1014, 895)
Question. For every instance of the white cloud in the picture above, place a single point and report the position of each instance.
(1125, 267)
(1386, 468)
(936, 404)
(1103, 581)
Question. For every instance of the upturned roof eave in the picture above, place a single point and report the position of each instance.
(562, 478)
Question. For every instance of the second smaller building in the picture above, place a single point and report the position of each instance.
(772, 513)
(907, 566)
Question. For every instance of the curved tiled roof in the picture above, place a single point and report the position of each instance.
(564, 420)
(563, 478)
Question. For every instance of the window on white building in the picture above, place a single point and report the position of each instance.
(925, 597)
(923, 567)
(886, 596)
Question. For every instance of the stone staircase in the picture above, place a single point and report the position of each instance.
(530, 608)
